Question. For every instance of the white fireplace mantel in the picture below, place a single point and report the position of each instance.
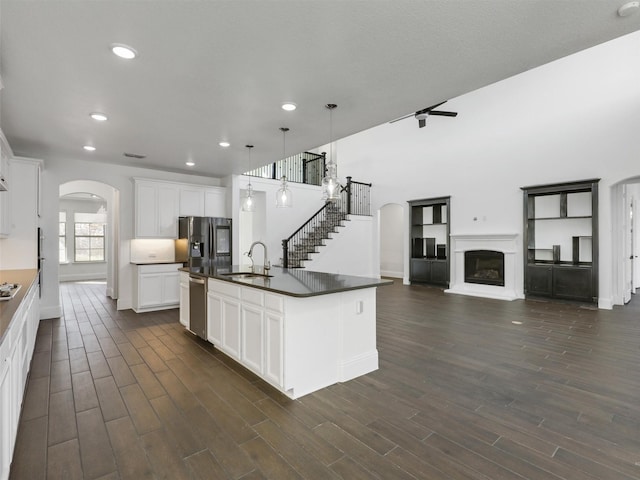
(508, 243)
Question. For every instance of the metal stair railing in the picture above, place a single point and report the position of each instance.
(354, 200)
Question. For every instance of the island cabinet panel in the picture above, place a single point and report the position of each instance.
(231, 327)
(274, 323)
(223, 317)
(253, 338)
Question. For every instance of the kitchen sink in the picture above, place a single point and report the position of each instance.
(240, 275)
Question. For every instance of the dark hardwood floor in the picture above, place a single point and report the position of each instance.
(462, 392)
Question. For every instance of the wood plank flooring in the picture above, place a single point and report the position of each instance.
(462, 393)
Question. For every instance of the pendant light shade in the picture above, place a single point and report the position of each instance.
(248, 201)
(284, 199)
(331, 187)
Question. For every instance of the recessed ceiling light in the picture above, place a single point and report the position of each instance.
(124, 51)
(189, 163)
(224, 144)
(516, 322)
(100, 117)
(289, 106)
(89, 148)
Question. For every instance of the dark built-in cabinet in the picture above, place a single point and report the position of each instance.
(561, 241)
(429, 219)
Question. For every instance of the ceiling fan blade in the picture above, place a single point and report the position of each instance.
(422, 122)
(443, 114)
(402, 118)
(434, 106)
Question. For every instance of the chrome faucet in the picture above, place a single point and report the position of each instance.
(267, 264)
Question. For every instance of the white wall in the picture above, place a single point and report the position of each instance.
(391, 221)
(348, 252)
(573, 119)
(57, 172)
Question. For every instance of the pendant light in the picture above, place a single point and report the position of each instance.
(284, 198)
(330, 184)
(248, 202)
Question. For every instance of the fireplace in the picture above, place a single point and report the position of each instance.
(484, 266)
(506, 245)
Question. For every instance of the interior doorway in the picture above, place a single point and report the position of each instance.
(392, 240)
(625, 241)
(89, 215)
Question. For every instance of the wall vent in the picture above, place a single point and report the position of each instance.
(134, 155)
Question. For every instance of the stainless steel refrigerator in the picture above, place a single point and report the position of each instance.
(204, 241)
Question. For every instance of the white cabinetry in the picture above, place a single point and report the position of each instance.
(202, 201)
(184, 299)
(5, 196)
(223, 316)
(16, 351)
(156, 287)
(156, 209)
(247, 324)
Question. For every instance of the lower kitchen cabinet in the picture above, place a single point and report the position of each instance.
(16, 351)
(156, 287)
(242, 323)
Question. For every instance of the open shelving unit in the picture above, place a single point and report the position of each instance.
(429, 262)
(561, 240)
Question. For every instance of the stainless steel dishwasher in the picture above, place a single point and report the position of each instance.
(198, 306)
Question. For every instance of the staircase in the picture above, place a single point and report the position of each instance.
(313, 234)
(354, 200)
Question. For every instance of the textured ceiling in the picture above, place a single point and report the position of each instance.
(219, 70)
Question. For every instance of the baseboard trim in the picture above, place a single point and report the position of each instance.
(50, 312)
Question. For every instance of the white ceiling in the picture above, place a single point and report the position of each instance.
(219, 70)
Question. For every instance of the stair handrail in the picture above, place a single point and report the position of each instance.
(285, 242)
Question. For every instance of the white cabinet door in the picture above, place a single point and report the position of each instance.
(184, 299)
(215, 202)
(150, 290)
(156, 209)
(230, 314)
(6, 436)
(146, 209)
(192, 201)
(214, 319)
(167, 211)
(171, 288)
(253, 338)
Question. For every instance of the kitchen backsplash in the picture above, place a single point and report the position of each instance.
(145, 250)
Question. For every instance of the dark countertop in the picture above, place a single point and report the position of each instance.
(154, 263)
(8, 308)
(295, 282)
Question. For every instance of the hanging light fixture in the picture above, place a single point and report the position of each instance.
(283, 195)
(248, 202)
(330, 183)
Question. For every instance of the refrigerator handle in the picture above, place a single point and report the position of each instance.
(212, 240)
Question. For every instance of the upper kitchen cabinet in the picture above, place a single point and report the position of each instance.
(5, 209)
(156, 209)
(200, 201)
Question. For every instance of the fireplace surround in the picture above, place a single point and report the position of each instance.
(508, 246)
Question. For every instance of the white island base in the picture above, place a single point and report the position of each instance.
(297, 344)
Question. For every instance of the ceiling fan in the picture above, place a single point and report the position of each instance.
(422, 115)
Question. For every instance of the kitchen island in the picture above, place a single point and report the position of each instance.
(298, 330)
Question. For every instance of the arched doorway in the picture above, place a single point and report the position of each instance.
(84, 202)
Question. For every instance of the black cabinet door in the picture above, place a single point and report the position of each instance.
(572, 283)
(439, 272)
(539, 280)
(420, 270)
